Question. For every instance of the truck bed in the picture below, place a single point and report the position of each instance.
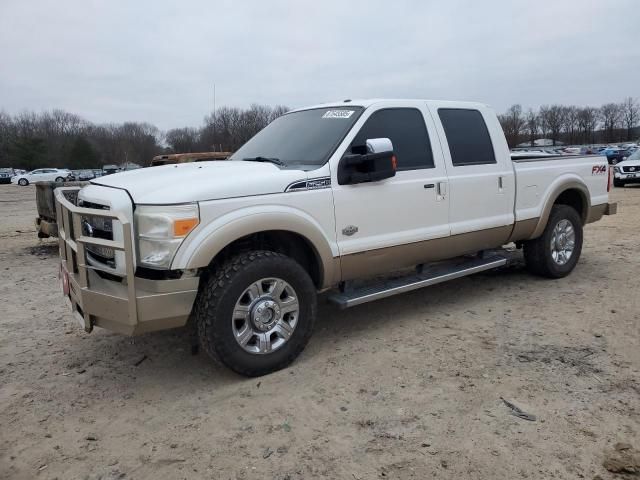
(535, 188)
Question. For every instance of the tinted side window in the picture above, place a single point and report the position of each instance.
(468, 137)
(406, 129)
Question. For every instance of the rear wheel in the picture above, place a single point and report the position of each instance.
(23, 182)
(556, 252)
(256, 313)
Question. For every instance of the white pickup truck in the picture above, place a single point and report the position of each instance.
(331, 197)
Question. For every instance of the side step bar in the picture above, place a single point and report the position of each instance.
(430, 276)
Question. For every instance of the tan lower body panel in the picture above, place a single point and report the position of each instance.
(596, 212)
(523, 229)
(384, 260)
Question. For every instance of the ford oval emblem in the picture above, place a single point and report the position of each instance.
(349, 230)
(87, 229)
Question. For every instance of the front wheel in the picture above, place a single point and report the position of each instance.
(59, 179)
(255, 313)
(618, 183)
(556, 252)
(23, 182)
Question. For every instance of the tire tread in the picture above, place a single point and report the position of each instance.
(206, 309)
(536, 253)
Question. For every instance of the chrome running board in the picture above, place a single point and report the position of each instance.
(431, 275)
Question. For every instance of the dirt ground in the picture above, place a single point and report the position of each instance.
(408, 387)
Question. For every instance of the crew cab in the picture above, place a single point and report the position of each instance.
(364, 199)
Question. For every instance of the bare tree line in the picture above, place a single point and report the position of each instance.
(61, 139)
(609, 123)
(226, 129)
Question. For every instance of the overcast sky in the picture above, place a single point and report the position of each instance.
(156, 61)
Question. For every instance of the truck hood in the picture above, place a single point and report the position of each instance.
(199, 181)
(629, 163)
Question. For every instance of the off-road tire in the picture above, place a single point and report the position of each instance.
(217, 298)
(537, 252)
(23, 182)
(617, 183)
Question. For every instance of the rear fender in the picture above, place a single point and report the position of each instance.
(560, 185)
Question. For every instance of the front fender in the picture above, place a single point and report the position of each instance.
(204, 243)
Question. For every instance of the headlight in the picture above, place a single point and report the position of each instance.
(616, 169)
(160, 231)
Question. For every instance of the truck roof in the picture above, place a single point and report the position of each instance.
(375, 101)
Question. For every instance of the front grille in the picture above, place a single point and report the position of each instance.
(631, 169)
(98, 227)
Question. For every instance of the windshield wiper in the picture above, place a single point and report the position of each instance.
(276, 161)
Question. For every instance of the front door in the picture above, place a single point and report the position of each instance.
(383, 226)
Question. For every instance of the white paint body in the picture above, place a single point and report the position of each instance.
(391, 212)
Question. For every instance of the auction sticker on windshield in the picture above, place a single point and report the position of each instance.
(337, 114)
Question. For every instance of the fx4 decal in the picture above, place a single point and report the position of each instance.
(599, 170)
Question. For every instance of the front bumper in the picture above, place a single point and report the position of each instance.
(122, 303)
(627, 177)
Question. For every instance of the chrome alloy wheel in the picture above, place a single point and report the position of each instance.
(265, 316)
(563, 242)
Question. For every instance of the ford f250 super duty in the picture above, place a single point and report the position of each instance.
(333, 197)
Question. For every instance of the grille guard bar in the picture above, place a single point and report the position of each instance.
(73, 253)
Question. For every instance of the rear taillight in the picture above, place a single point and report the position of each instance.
(609, 178)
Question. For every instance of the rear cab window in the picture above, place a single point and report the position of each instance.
(468, 137)
(407, 131)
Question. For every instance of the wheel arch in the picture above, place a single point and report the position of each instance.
(285, 232)
(573, 193)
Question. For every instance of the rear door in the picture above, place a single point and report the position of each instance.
(481, 177)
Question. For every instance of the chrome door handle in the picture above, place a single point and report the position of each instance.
(442, 188)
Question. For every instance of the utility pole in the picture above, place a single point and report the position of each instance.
(214, 117)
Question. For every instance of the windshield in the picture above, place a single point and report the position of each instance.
(303, 138)
(635, 155)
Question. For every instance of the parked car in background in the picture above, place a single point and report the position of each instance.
(614, 155)
(573, 151)
(6, 174)
(82, 175)
(627, 171)
(109, 169)
(42, 175)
